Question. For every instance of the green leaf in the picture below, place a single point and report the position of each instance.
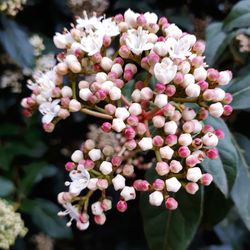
(6, 187)
(171, 230)
(15, 41)
(127, 90)
(240, 191)
(240, 89)
(44, 216)
(224, 168)
(238, 17)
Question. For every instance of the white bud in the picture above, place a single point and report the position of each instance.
(74, 105)
(115, 93)
(85, 94)
(219, 94)
(118, 182)
(172, 184)
(158, 121)
(106, 63)
(194, 174)
(96, 208)
(146, 93)
(156, 198)
(210, 139)
(146, 143)
(66, 91)
(188, 79)
(128, 193)
(160, 48)
(92, 184)
(197, 126)
(200, 74)
(161, 100)
(193, 90)
(101, 77)
(95, 154)
(60, 41)
(216, 109)
(136, 95)
(166, 152)
(77, 156)
(107, 85)
(135, 109)
(185, 67)
(185, 139)
(224, 77)
(117, 68)
(118, 125)
(170, 127)
(188, 114)
(122, 113)
(106, 167)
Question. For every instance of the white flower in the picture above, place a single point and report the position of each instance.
(130, 17)
(108, 27)
(92, 43)
(80, 179)
(137, 41)
(151, 17)
(49, 110)
(165, 71)
(62, 40)
(88, 24)
(179, 48)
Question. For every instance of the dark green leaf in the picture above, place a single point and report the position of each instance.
(224, 168)
(127, 90)
(16, 43)
(6, 187)
(171, 230)
(44, 216)
(238, 17)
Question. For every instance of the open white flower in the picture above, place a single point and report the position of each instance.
(62, 40)
(130, 17)
(165, 71)
(108, 27)
(137, 40)
(180, 48)
(49, 110)
(92, 43)
(80, 180)
(88, 24)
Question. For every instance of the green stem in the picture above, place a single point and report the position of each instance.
(96, 114)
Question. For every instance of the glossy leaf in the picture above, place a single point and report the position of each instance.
(6, 187)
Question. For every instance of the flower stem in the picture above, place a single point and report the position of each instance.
(184, 100)
(125, 100)
(96, 114)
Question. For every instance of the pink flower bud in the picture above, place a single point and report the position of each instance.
(228, 98)
(129, 133)
(135, 109)
(158, 121)
(88, 164)
(158, 141)
(160, 48)
(161, 100)
(96, 208)
(152, 59)
(106, 204)
(95, 154)
(193, 90)
(121, 206)
(102, 184)
(170, 127)
(219, 133)
(162, 21)
(100, 219)
(101, 94)
(48, 127)
(203, 114)
(227, 110)
(110, 109)
(124, 52)
(128, 170)
(169, 110)
(212, 75)
(200, 73)
(141, 185)
(77, 156)
(212, 153)
(118, 18)
(192, 161)
(114, 93)
(106, 127)
(84, 218)
(184, 152)
(170, 90)
(179, 78)
(194, 174)
(162, 168)
(116, 160)
(206, 179)
(172, 184)
(175, 166)
(224, 77)
(133, 120)
(197, 61)
(97, 57)
(199, 47)
(106, 41)
(159, 87)
(207, 128)
(203, 85)
(69, 166)
(188, 127)
(171, 140)
(131, 145)
(191, 187)
(171, 203)
(158, 184)
(197, 143)
(106, 63)
(66, 91)
(141, 128)
(156, 198)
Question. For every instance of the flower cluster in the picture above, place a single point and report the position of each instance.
(12, 7)
(11, 225)
(172, 93)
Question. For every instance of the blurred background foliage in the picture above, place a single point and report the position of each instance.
(32, 162)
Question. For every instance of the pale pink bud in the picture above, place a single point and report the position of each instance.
(85, 93)
(162, 168)
(146, 143)
(171, 203)
(188, 79)
(89, 164)
(188, 114)
(212, 153)
(212, 75)
(118, 125)
(158, 184)
(128, 170)
(185, 139)
(128, 193)
(184, 67)
(141, 185)
(141, 128)
(89, 144)
(192, 161)
(97, 57)
(199, 47)
(158, 121)
(188, 127)
(207, 128)
(92, 184)
(124, 52)
(102, 184)
(175, 166)
(158, 141)
(197, 61)
(135, 109)
(228, 98)
(169, 110)
(203, 85)
(170, 127)
(106, 204)
(141, 20)
(100, 219)
(132, 120)
(199, 154)
(122, 113)
(106, 127)
(166, 152)
(96, 208)
(224, 77)
(193, 90)
(179, 78)
(121, 206)
(184, 152)
(95, 154)
(131, 145)
(200, 74)
(191, 187)
(114, 93)
(74, 105)
(171, 140)
(106, 41)
(156, 198)
(161, 100)
(152, 59)
(206, 179)
(118, 182)
(66, 91)
(194, 174)
(146, 94)
(172, 184)
(197, 143)
(210, 139)
(84, 217)
(106, 167)
(49, 127)
(106, 63)
(110, 109)
(160, 48)
(61, 68)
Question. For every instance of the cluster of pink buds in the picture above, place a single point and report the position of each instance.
(172, 93)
